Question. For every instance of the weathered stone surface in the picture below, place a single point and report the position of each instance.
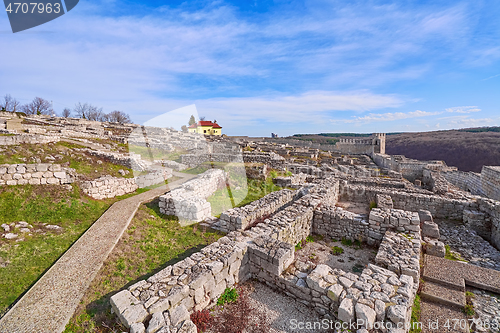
(178, 314)
(334, 292)
(366, 314)
(157, 321)
(397, 314)
(430, 229)
(346, 310)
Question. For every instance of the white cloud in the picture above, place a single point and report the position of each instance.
(463, 109)
(383, 117)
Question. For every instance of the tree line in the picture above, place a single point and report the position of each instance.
(40, 106)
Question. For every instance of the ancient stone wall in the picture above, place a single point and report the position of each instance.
(27, 139)
(273, 160)
(490, 181)
(242, 217)
(337, 223)
(440, 207)
(193, 160)
(466, 181)
(189, 200)
(34, 174)
(110, 187)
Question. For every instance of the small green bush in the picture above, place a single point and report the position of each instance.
(273, 174)
(288, 173)
(346, 242)
(309, 239)
(230, 295)
(337, 250)
(373, 204)
(298, 246)
(469, 310)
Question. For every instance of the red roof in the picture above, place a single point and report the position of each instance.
(205, 123)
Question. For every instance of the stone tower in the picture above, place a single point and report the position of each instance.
(379, 143)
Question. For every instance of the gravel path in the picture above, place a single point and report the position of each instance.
(49, 304)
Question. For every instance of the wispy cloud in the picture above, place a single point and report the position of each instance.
(463, 109)
(389, 116)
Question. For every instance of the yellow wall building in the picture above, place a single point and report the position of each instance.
(206, 127)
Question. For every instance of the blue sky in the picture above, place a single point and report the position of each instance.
(268, 66)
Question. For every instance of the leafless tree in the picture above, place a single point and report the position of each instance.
(184, 128)
(82, 110)
(38, 106)
(9, 103)
(119, 117)
(202, 118)
(66, 112)
(95, 113)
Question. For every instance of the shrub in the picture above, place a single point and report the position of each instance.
(346, 242)
(288, 173)
(298, 246)
(309, 239)
(229, 295)
(469, 310)
(201, 319)
(273, 174)
(373, 204)
(337, 250)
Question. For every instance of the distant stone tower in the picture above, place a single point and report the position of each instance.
(379, 143)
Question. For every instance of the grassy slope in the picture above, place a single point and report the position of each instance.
(31, 257)
(152, 242)
(84, 164)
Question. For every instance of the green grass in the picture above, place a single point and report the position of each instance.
(156, 153)
(452, 255)
(337, 250)
(62, 149)
(254, 190)
(31, 257)
(469, 310)
(346, 242)
(415, 316)
(230, 295)
(151, 242)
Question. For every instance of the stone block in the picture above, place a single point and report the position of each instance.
(178, 315)
(425, 215)
(365, 315)
(346, 310)
(430, 229)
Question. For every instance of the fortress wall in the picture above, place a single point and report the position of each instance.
(355, 148)
(273, 160)
(490, 181)
(466, 181)
(34, 174)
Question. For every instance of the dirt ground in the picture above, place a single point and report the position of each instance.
(355, 207)
(353, 259)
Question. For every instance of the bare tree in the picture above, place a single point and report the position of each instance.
(119, 117)
(95, 113)
(202, 118)
(184, 128)
(66, 112)
(82, 110)
(38, 106)
(9, 103)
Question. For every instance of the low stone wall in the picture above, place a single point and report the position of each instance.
(34, 174)
(242, 217)
(293, 181)
(110, 187)
(189, 201)
(131, 160)
(338, 223)
(193, 160)
(440, 207)
(273, 160)
(27, 139)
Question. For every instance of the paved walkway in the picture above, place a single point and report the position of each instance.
(443, 294)
(49, 304)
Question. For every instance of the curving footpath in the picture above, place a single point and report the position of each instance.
(49, 304)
